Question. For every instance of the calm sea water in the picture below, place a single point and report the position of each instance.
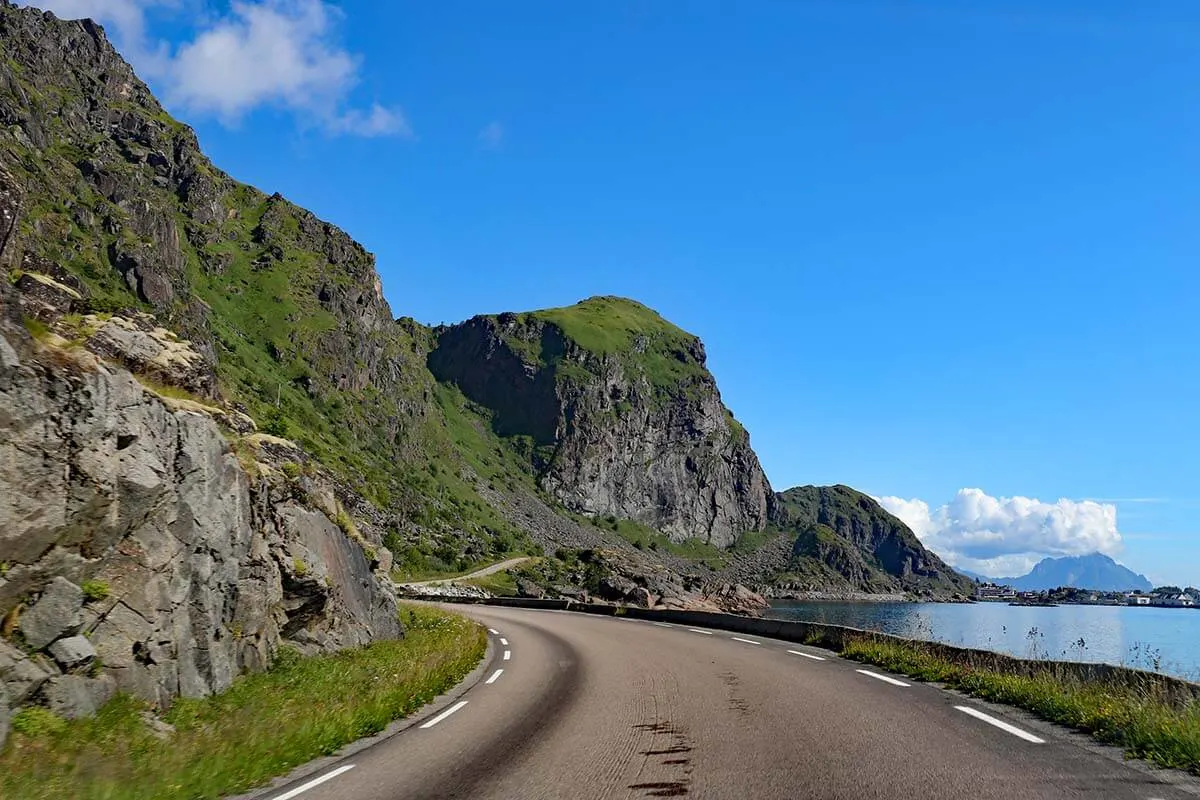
(1168, 638)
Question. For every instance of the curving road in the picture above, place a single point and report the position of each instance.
(479, 573)
(600, 707)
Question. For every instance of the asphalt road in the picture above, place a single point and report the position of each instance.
(479, 573)
(600, 707)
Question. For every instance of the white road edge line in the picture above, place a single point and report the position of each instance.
(507, 655)
(495, 675)
(697, 630)
(747, 641)
(1001, 724)
(504, 642)
(493, 632)
(806, 655)
(440, 716)
(315, 782)
(883, 678)
(664, 625)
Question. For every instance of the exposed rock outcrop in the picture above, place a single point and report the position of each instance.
(620, 411)
(197, 572)
(198, 566)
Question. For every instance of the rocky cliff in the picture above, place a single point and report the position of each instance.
(619, 413)
(138, 552)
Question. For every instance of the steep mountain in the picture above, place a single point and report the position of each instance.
(618, 412)
(844, 539)
(211, 420)
(1095, 571)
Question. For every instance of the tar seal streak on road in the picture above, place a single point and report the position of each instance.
(1001, 724)
(806, 655)
(883, 678)
(662, 788)
(444, 714)
(315, 782)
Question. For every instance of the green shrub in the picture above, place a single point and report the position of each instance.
(95, 590)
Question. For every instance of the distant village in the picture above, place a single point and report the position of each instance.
(1163, 597)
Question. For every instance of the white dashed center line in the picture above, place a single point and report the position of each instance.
(315, 782)
(493, 632)
(504, 642)
(507, 655)
(806, 655)
(443, 715)
(1001, 724)
(495, 676)
(664, 625)
(697, 630)
(747, 641)
(879, 677)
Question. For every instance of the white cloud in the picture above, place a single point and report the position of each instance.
(492, 135)
(275, 53)
(1007, 535)
(379, 121)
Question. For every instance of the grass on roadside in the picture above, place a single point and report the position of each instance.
(264, 725)
(501, 584)
(1144, 726)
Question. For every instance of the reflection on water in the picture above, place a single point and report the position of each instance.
(1168, 638)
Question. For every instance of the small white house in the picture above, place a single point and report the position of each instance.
(1139, 599)
(1177, 601)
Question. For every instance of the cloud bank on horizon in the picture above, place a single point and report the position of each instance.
(1006, 536)
(283, 54)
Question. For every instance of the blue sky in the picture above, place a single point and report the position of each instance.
(930, 246)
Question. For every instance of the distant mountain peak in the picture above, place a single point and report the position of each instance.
(1090, 571)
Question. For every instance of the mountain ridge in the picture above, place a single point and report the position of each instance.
(1094, 571)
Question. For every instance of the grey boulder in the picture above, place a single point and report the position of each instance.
(74, 696)
(74, 651)
(54, 614)
(22, 675)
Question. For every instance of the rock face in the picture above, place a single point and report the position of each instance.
(199, 567)
(620, 414)
(193, 568)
